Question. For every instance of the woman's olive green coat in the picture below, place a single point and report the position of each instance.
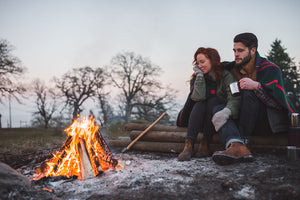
(223, 92)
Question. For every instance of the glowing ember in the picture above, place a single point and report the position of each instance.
(66, 161)
(46, 189)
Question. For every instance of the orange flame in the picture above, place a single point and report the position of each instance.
(66, 161)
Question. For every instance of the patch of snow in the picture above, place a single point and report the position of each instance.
(247, 192)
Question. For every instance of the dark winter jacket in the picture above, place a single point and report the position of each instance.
(269, 76)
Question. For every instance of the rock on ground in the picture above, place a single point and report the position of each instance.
(11, 180)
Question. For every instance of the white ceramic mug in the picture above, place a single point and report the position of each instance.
(235, 88)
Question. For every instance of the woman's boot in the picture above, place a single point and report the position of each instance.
(203, 149)
(187, 152)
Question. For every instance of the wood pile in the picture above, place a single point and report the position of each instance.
(172, 138)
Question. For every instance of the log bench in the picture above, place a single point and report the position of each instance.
(171, 139)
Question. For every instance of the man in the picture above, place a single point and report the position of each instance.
(265, 107)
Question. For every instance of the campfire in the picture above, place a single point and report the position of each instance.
(83, 154)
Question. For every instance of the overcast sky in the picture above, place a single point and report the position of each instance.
(53, 36)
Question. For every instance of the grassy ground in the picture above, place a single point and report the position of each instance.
(19, 141)
(20, 146)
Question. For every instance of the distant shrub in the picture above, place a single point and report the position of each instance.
(139, 121)
(116, 130)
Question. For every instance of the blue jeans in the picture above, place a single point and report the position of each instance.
(229, 132)
(200, 120)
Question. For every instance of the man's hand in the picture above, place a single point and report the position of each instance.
(197, 71)
(220, 118)
(248, 84)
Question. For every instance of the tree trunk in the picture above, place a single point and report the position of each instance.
(46, 124)
(128, 113)
(75, 113)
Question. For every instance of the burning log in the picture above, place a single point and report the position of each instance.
(86, 169)
(66, 143)
(95, 159)
(61, 157)
(107, 156)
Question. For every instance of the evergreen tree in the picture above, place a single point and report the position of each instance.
(290, 75)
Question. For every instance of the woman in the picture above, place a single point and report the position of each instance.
(210, 93)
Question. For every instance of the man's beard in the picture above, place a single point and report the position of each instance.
(244, 61)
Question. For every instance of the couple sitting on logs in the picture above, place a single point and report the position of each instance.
(261, 105)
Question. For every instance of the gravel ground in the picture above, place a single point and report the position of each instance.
(160, 176)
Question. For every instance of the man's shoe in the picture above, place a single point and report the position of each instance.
(187, 152)
(237, 152)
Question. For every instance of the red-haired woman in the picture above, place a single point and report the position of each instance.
(210, 106)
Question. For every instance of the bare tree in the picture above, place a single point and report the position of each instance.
(79, 85)
(46, 103)
(10, 72)
(106, 111)
(151, 105)
(135, 76)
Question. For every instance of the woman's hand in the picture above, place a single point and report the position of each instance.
(220, 118)
(197, 71)
(248, 84)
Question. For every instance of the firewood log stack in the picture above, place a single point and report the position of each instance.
(171, 139)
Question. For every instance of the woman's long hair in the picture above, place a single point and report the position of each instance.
(215, 60)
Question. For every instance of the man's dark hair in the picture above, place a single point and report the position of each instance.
(248, 39)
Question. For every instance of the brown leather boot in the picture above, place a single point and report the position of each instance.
(187, 152)
(203, 149)
(237, 152)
